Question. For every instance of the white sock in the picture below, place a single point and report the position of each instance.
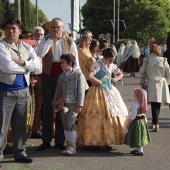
(66, 135)
(72, 136)
(140, 149)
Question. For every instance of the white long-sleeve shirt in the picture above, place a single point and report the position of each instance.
(7, 65)
(134, 110)
(39, 71)
(57, 50)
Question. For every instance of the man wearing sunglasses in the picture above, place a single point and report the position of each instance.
(50, 49)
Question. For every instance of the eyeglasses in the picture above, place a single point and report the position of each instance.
(56, 28)
(11, 28)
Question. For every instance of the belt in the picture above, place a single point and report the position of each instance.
(36, 75)
(140, 117)
(69, 101)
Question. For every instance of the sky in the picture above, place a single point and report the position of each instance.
(57, 8)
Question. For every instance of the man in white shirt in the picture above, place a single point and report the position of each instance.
(17, 60)
(38, 34)
(50, 49)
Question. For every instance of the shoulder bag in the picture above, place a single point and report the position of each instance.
(60, 100)
(144, 81)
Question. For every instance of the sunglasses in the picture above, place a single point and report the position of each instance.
(56, 28)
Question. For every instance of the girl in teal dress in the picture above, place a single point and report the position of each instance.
(138, 133)
(104, 113)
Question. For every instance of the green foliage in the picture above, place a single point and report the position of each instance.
(28, 14)
(96, 17)
(4, 5)
(117, 44)
(144, 18)
(1, 30)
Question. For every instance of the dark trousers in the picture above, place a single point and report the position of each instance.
(38, 105)
(48, 90)
(155, 107)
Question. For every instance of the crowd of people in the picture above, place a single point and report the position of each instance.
(83, 77)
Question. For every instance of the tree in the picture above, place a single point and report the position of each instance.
(4, 5)
(28, 11)
(144, 18)
(96, 14)
(28, 15)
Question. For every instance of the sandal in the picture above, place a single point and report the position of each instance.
(71, 149)
(156, 129)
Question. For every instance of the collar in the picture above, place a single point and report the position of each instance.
(69, 72)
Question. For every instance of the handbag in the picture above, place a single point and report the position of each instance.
(144, 81)
(60, 100)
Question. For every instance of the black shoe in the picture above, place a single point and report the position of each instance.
(0, 164)
(133, 75)
(108, 147)
(44, 146)
(36, 136)
(60, 146)
(138, 154)
(134, 151)
(24, 160)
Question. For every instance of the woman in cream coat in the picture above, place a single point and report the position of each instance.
(158, 75)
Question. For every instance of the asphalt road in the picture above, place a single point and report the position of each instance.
(156, 154)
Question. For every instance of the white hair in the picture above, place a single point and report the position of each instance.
(37, 28)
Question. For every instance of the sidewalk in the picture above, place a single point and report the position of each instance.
(156, 154)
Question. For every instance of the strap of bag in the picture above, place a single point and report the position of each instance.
(146, 64)
(65, 85)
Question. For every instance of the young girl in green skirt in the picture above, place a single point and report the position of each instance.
(138, 133)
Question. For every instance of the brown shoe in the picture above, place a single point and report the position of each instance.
(156, 129)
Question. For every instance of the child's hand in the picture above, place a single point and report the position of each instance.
(113, 80)
(78, 109)
(128, 125)
(33, 80)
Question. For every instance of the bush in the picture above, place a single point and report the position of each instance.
(117, 44)
(2, 31)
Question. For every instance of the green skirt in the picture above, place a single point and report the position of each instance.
(138, 134)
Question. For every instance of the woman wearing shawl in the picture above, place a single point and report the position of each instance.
(104, 113)
(133, 60)
(119, 59)
(138, 133)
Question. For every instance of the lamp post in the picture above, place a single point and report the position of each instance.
(113, 22)
(118, 18)
(36, 12)
(17, 7)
